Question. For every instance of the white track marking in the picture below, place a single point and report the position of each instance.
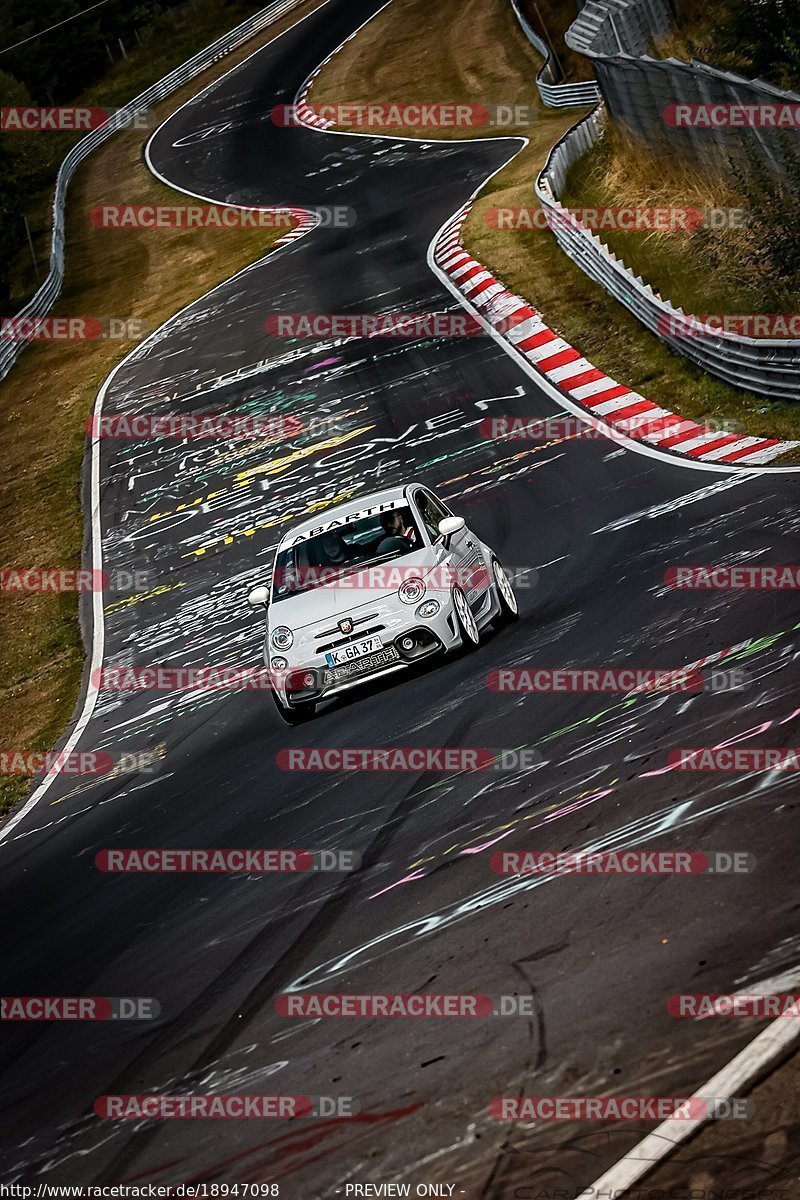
(660, 510)
(741, 1073)
(774, 1041)
(98, 626)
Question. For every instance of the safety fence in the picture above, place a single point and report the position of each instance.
(554, 94)
(769, 367)
(643, 93)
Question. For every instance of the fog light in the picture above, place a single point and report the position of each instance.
(407, 643)
(279, 664)
(299, 679)
(429, 609)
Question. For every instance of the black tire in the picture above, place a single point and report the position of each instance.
(467, 625)
(509, 609)
(296, 715)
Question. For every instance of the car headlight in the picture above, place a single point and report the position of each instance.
(429, 609)
(411, 590)
(281, 637)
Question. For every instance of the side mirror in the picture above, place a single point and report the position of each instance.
(449, 526)
(258, 596)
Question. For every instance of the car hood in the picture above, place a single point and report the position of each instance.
(342, 596)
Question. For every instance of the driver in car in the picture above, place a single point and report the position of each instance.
(336, 550)
(395, 527)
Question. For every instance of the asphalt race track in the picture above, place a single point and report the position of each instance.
(600, 524)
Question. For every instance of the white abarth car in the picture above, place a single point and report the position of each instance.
(371, 587)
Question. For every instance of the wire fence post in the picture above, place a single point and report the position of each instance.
(30, 243)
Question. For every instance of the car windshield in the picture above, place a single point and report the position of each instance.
(350, 547)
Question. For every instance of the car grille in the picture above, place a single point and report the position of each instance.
(340, 639)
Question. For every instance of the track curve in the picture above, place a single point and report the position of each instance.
(598, 523)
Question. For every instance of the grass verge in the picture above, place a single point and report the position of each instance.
(45, 401)
(439, 55)
(432, 64)
(747, 265)
(699, 270)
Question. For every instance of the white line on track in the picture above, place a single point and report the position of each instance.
(659, 510)
(739, 1075)
(98, 625)
(773, 1042)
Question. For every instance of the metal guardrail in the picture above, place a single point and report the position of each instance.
(613, 27)
(42, 301)
(769, 367)
(554, 94)
(616, 35)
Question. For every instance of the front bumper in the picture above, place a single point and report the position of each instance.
(406, 640)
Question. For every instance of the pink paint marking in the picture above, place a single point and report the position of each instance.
(408, 879)
(561, 812)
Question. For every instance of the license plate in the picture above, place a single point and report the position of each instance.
(346, 654)
(362, 666)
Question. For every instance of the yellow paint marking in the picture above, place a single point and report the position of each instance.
(130, 761)
(274, 467)
(129, 600)
(280, 464)
(229, 538)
